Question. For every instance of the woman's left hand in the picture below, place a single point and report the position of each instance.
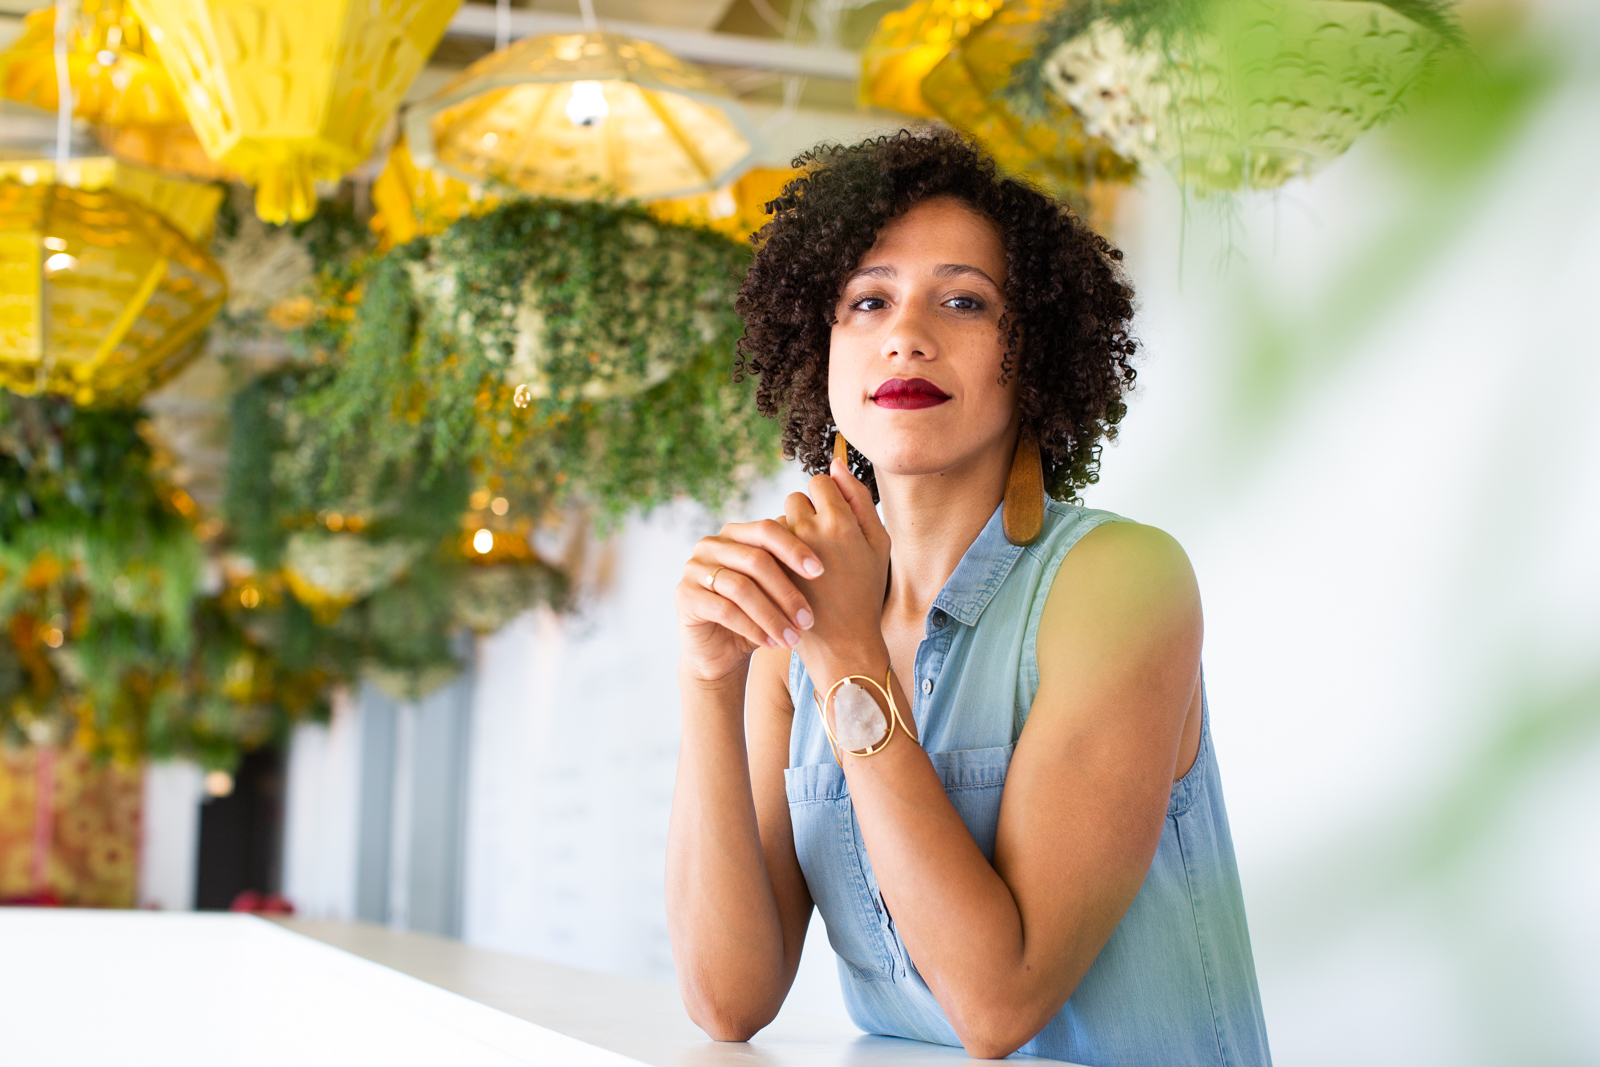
(838, 522)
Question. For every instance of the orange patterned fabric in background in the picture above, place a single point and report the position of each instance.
(82, 849)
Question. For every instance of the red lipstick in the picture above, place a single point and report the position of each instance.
(908, 394)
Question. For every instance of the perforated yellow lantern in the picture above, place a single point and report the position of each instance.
(736, 210)
(100, 298)
(909, 43)
(292, 92)
(189, 206)
(115, 79)
(1055, 151)
(410, 200)
(583, 115)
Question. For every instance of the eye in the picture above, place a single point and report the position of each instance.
(964, 303)
(868, 303)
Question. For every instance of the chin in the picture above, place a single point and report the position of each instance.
(911, 455)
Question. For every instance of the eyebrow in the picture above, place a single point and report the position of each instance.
(943, 270)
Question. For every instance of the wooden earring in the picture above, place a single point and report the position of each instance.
(1022, 513)
(841, 449)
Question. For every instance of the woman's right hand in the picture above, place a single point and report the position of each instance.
(736, 596)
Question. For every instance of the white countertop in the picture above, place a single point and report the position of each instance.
(181, 989)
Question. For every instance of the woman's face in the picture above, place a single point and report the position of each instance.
(915, 356)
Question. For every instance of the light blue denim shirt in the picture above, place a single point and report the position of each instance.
(1176, 984)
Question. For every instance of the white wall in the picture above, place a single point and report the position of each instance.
(321, 813)
(1400, 556)
(169, 827)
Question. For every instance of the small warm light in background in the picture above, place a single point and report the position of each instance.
(483, 542)
(500, 506)
(53, 637)
(335, 521)
(56, 244)
(491, 139)
(587, 106)
(60, 262)
(523, 395)
(218, 783)
(479, 499)
(106, 58)
(250, 597)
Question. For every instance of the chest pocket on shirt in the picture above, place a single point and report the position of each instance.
(834, 859)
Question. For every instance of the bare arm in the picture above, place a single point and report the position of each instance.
(1003, 946)
(737, 903)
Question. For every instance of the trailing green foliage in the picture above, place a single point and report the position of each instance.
(106, 643)
(621, 330)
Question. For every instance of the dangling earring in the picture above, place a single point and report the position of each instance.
(841, 449)
(1022, 514)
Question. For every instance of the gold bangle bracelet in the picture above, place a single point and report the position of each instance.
(887, 689)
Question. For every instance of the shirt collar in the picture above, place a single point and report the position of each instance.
(979, 575)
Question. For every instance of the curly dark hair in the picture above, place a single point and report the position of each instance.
(1067, 300)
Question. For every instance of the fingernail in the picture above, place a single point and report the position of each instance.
(803, 617)
(812, 567)
(791, 638)
(772, 642)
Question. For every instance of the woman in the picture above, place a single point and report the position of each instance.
(1014, 830)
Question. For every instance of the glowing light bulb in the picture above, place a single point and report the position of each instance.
(58, 262)
(587, 105)
(55, 244)
(483, 542)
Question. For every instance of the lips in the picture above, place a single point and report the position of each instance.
(908, 394)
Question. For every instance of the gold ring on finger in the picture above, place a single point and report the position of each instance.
(711, 579)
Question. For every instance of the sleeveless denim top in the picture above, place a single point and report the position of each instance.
(1176, 984)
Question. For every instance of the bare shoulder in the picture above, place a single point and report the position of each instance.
(1123, 579)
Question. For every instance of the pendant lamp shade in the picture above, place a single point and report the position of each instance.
(966, 88)
(190, 207)
(411, 200)
(909, 43)
(174, 149)
(292, 92)
(100, 298)
(115, 76)
(584, 116)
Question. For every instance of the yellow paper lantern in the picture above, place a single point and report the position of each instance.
(292, 92)
(174, 149)
(409, 200)
(584, 115)
(191, 207)
(100, 298)
(115, 78)
(736, 210)
(909, 43)
(1056, 151)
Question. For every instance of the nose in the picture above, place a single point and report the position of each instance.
(910, 334)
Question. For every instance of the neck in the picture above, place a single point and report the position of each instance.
(932, 520)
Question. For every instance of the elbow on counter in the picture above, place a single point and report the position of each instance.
(711, 1010)
(994, 1030)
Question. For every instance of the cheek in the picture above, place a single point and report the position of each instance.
(845, 372)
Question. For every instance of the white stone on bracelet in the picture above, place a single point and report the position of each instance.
(858, 722)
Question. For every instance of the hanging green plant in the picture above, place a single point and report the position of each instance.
(106, 644)
(373, 577)
(1231, 94)
(617, 332)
